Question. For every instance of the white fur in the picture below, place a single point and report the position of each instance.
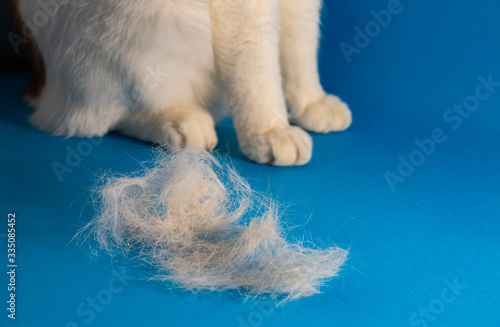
(193, 221)
(149, 68)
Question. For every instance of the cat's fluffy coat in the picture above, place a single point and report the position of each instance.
(152, 69)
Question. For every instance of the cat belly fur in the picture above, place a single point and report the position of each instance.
(117, 57)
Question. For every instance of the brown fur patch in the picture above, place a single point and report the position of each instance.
(37, 81)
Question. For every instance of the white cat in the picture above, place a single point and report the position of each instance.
(151, 69)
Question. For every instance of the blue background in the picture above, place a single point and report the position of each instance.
(440, 225)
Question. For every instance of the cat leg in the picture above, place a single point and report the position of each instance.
(176, 126)
(309, 106)
(246, 47)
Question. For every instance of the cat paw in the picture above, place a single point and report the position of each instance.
(330, 114)
(174, 127)
(289, 146)
(190, 129)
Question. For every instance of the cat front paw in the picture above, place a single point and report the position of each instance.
(187, 128)
(330, 114)
(289, 146)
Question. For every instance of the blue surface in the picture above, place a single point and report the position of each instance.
(408, 245)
